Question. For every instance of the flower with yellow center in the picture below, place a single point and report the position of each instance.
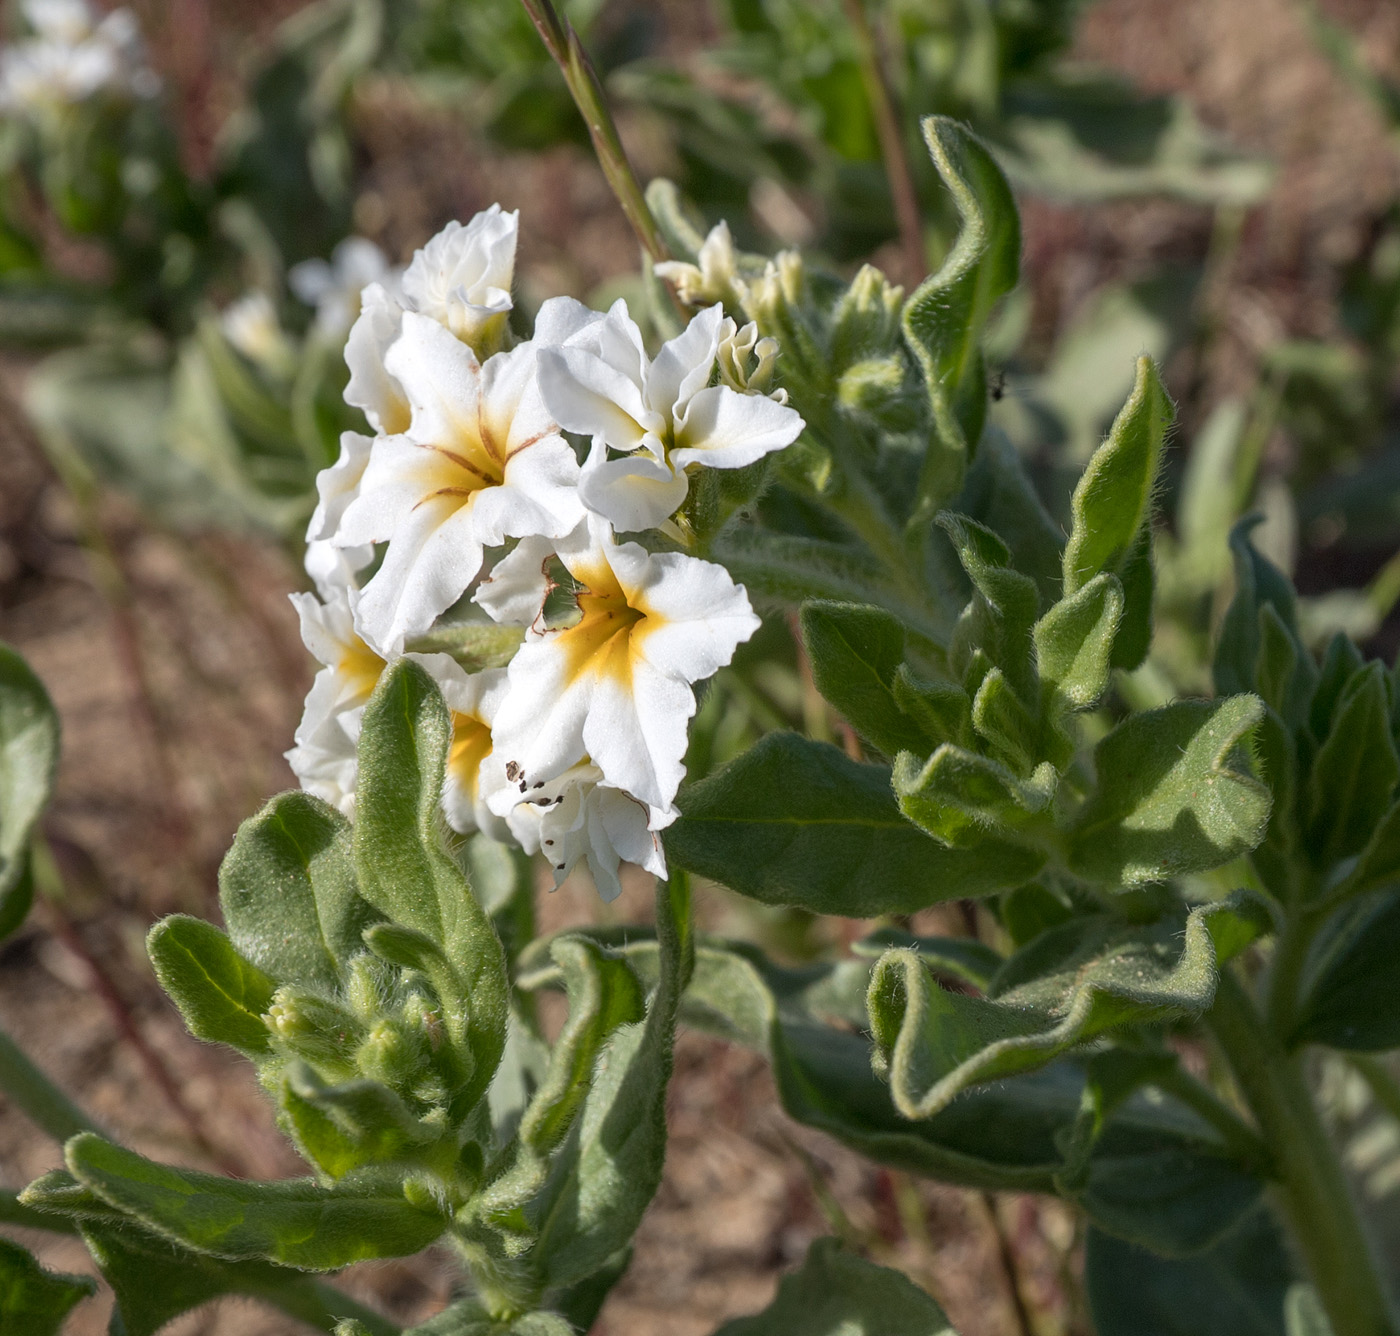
(614, 685)
(480, 460)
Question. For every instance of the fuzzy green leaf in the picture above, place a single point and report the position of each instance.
(475, 645)
(797, 822)
(961, 798)
(1175, 794)
(288, 892)
(856, 652)
(1235, 1287)
(35, 1302)
(1070, 985)
(1074, 642)
(944, 319)
(1353, 778)
(28, 759)
(1113, 499)
(1258, 584)
(341, 1128)
(1379, 863)
(962, 958)
(403, 868)
(834, 1293)
(221, 995)
(291, 1221)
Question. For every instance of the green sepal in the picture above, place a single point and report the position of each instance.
(1176, 794)
(945, 318)
(287, 889)
(1074, 643)
(35, 1302)
(1348, 997)
(962, 798)
(835, 1293)
(221, 995)
(1237, 1286)
(1111, 511)
(856, 652)
(294, 1222)
(29, 738)
(402, 866)
(1352, 782)
(797, 822)
(1075, 982)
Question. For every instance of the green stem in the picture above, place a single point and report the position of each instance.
(1234, 1131)
(563, 45)
(34, 1094)
(1313, 1189)
(1286, 970)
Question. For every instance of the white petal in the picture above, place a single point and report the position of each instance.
(561, 319)
(683, 365)
(337, 486)
(462, 277)
(371, 387)
(539, 726)
(586, 395)
(633, 493)
(630, 828)
(636, 732)
(333, 568)
(541, 483)
(727, 430)
(396, 480)
(441, 379)
(515, 590)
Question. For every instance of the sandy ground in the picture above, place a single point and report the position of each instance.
(175, 665)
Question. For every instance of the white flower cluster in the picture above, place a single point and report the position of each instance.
(72, 56)
(576, 748)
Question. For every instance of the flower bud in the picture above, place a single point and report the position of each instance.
(316, 1029)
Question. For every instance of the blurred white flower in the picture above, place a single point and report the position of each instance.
(480, 460)
(333, 287)
(579, 816)
(251, 325)
(472, 700)
(663, 416)
(462, 278)
(74, 55)
(615, 685)
(326, 761)
(328, 564)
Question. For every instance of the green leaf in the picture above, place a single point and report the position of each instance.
(610, 1167)
(1349, 999)
(856, 651)
(835, 1293)
(1236, 1288)
(1112, 509)
(35, 1302)
(155, 1283)
(797, 822)
(962, 958)
(1073, 983)
(1074, 642)
(945, 318)
(221, 996)
(287, 889)
(1258, 584)
(1175, 794)
(1378, 865)
(28, 759)
(1341, 663)
(403, 868)
(475, 645)
(1352, 783)
(961, 798)
(1303, 1313)
(291, 1221)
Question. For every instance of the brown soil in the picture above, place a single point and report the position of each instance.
(175, 664)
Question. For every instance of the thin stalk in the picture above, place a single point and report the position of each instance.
(1286, 970)
(1234, 1131)
(892, 145)
(1313, 1189)
(36, 1096)
(563, 45)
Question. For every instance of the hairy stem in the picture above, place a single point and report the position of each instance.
(1313, 1190)
(563, 45)
(892, 145)
(35, 1095)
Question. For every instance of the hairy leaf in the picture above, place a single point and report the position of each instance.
(1175, 794)
(1073, 983)
(961, 798)
(797, 822)
(28, 759)
(835, 1293)
(944, 319)
(221, 995)
(35, 1302)
(341, 1128)
(1258, 584)
(291, 1221)
(1074, 642)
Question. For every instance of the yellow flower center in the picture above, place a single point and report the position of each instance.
(359, 669)
(609, 630)
(471, 745)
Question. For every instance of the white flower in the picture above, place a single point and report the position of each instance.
(615, 685)
(251, 325)
(329, 565)
(714, 277)
(663, 416)
(746, 362)
(334, 287)
(481, 460)
(462, 278)
(472, 700)
(579, 816)
(326, 761)
(371, 388)
(74, 56)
